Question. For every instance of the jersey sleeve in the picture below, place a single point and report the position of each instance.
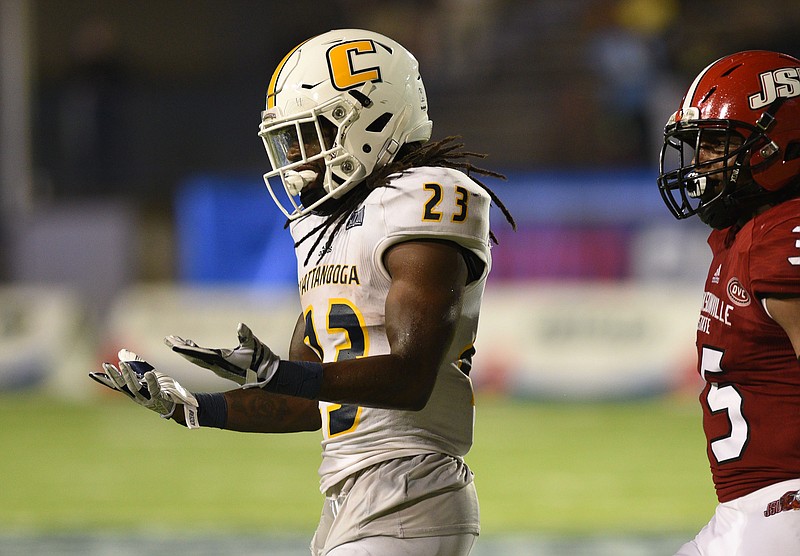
(775, 259)
(436, 203)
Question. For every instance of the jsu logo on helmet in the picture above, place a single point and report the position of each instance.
(779, 83)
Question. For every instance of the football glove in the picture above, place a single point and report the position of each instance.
(249, 364)
(156, 391)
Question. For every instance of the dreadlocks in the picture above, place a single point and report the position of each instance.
(444, 153)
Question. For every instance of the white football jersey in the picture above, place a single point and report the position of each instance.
(343, 297)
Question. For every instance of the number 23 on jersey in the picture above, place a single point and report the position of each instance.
(435, 209)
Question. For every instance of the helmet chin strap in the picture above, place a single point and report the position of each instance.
(737, 207)
(390, 148)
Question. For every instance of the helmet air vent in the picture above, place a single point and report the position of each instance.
(379, 123)
(729, 71)
(708, 94)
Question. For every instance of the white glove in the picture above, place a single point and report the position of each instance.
(250, 364)
(156, 391)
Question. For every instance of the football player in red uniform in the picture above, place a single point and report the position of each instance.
(731, 155)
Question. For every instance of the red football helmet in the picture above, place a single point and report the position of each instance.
(745, 109)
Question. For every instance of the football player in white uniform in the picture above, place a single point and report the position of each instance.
(393, 250)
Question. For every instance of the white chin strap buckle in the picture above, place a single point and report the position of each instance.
(296, 181)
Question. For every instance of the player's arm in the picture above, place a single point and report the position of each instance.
(256, 410)
(786, 312)
(422, 309)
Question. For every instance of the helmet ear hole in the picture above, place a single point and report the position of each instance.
(379, 123)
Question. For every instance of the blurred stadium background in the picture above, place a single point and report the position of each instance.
(132, 207)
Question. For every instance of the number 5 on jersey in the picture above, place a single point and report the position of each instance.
(724, 399)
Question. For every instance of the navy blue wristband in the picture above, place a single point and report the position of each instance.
(302, 379)
(212, 410)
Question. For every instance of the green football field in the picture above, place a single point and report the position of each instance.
(567, 469)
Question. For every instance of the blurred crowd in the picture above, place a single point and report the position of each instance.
(130, 100)
(131, 97)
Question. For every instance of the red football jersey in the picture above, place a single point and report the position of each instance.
(751, 400)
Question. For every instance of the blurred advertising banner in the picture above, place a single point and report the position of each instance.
(41, 332)
(209, 315)
(586, 341)
(559, 341)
